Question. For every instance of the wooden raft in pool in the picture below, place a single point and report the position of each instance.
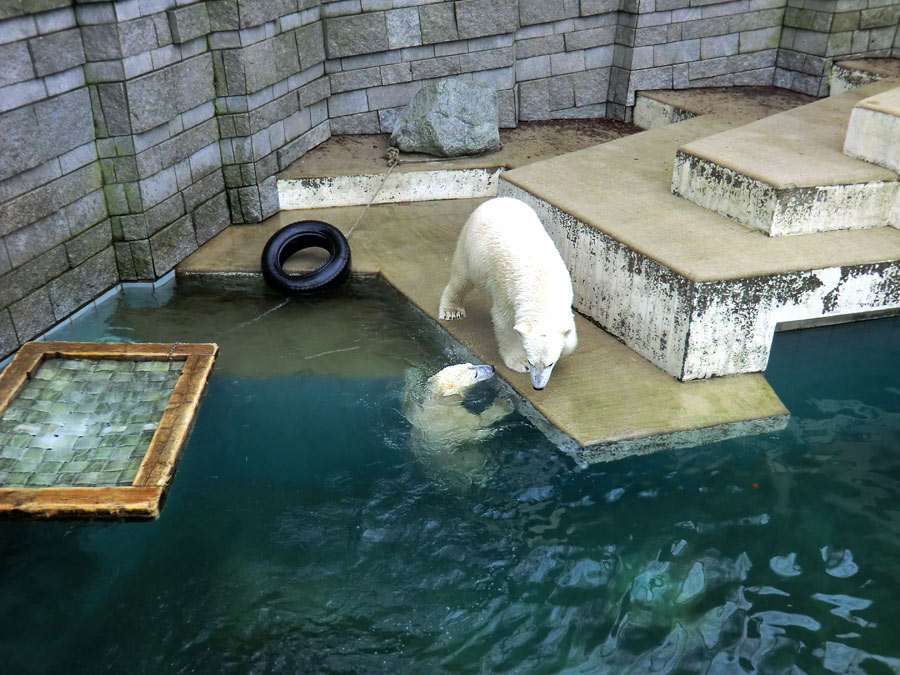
(95, 430)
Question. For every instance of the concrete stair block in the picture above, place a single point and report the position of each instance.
(696, 294)
(847, 75)
(873, 134)
(787, 173)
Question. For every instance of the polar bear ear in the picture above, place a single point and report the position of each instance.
(523, 328)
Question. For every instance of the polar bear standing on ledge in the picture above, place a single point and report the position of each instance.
(504, 250)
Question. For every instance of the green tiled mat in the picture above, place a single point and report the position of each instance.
(80, 422)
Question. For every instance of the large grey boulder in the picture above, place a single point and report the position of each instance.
(450, 118)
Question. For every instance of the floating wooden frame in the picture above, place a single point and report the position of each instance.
(142, 500)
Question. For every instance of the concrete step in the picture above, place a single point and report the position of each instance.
(847, 75)
(658, 108)
(606, 398)
(874, 131)
(695, 293)
(787, 173)
(353, 171)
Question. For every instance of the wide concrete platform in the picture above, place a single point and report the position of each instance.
(787, 173)
(604, 396)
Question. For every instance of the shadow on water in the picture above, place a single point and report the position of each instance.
(301, 533)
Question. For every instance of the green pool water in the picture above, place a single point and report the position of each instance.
(303, 534)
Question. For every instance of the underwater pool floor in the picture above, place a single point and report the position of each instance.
(306, 532)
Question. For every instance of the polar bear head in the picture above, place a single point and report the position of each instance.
(458, 379)
(545, 342)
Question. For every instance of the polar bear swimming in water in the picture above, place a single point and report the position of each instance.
(444, 433)
(504, 250)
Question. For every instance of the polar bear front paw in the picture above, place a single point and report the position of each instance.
(451, 313)
(516, 363)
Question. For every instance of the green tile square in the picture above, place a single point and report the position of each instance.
(42, 405)
(82, 455)
(58, 455)
(65, 478)
(14, 415)
(60, 408)
(33, 454)
(84, 443)
(16, 478)
(27, 465)
(41, 479)
(6, 463)
(95, 465)
(109, 441)
(18, 441)
(76, 466)
(130, 441)
(86, 406)
(49, 466)
(103, 453)
(109, 478)
(13, 453)
(96, 388)
(118, 464)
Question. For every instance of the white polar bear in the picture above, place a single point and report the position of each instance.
(437, 414)
(504, 250)
(444, 433)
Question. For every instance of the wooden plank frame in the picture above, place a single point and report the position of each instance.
(142, 500)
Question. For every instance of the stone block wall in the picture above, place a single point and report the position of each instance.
(693, 43)
(271, 94)
(56, 246)
(819, 32)
(381, 53)
(551, 59)
(134, 130)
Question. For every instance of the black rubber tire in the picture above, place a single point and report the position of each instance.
(296, 237)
